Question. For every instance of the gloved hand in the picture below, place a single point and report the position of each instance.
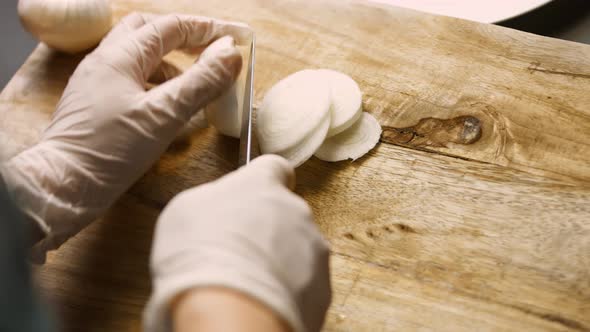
(247, 232)
(108, 130)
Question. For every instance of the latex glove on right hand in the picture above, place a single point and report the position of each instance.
(246, 232)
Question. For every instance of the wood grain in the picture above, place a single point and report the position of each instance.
(529, 92)
(473, 213)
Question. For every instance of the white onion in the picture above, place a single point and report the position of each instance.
(300, 112)
(291, 110)
(301, 152)
(346, 100)
(224, 113)
(70, 26)
(352, 143)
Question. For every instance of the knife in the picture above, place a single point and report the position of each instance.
(248, 144)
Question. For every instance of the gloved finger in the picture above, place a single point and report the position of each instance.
(240, 32)
(166, 33)
(198, 121)
(128, 24)
(164, 72)
(270, 168)
(210, 76)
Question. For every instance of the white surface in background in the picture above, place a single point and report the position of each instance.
(485, 11)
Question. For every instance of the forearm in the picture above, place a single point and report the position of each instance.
(220, 309)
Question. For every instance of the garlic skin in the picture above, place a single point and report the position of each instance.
(71, 26)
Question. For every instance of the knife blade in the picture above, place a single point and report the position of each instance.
(248, 147)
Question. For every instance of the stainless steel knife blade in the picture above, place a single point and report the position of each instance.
(248, 145)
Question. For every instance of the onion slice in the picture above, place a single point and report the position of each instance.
(291, 110)
(352, 143)
(346, 100)
(301, 152)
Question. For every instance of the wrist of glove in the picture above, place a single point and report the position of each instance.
(247, 232)
(44, 183)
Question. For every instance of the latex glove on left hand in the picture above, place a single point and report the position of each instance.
(108, 130)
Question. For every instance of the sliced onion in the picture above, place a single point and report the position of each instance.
(301, 152)
(291, 110)
(346, 100)
(352, 143)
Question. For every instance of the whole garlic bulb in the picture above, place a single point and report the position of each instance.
(71, 26)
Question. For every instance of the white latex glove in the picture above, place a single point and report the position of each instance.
(247, 232)
(108, 130)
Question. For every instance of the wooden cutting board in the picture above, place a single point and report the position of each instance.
(472, 214)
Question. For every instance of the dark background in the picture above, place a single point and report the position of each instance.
(565, 19)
